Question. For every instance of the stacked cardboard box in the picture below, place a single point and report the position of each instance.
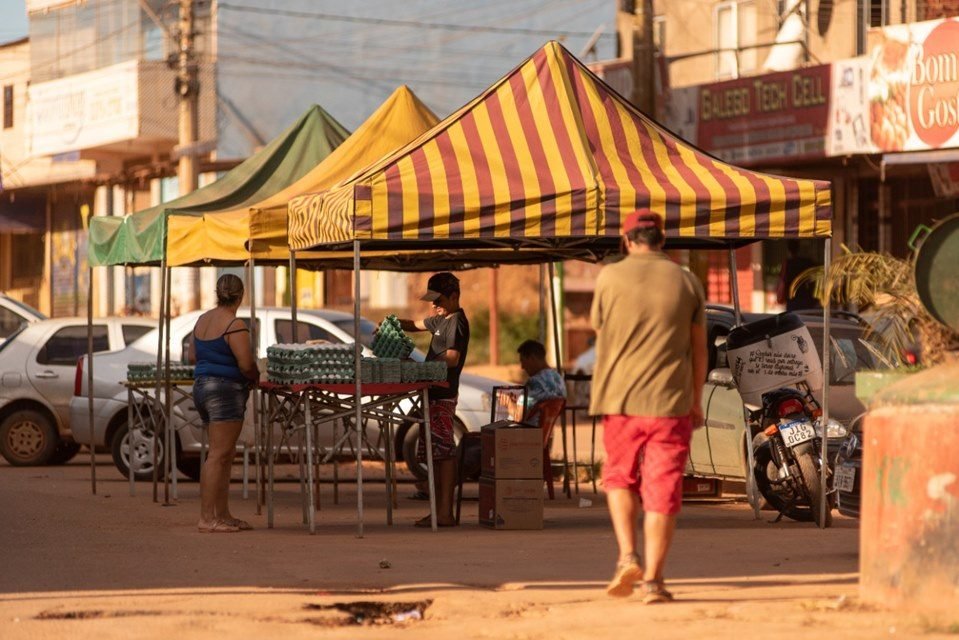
(511, 480)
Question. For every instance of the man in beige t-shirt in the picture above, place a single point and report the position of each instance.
(649, 316)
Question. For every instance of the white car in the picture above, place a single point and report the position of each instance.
(274, 325)
(37, 375)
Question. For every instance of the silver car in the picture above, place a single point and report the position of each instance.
(274, 325)
(37, 378)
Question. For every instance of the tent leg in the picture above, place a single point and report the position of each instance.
(358, 397)
(826, 344)
(294, 295)
(254, 344)
(752, 491)
(170, 431)
(542, 303)
(734, 286)
(158, 413)
(554, 313)
(93, 457)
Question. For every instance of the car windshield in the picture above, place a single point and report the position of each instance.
(851, 352)
(366, 329)
(26, 308)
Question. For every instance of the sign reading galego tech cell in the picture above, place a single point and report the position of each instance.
(771, 117)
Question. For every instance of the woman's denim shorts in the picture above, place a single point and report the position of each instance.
(220, 399)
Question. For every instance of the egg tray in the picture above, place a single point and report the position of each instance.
(391, 341)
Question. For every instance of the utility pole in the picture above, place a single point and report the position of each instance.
(644, 60)
(188, 89)
(634, 25)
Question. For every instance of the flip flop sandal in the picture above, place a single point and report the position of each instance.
(628, 572)
(656, 593)
(219, 526)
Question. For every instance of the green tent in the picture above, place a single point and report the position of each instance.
(140, 238)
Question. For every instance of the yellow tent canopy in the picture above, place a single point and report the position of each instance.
(227, 236)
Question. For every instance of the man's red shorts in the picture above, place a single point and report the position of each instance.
(659, 446)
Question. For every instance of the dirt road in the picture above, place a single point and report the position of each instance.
(115, 566)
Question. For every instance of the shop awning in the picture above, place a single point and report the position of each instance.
(552, 156)
(140, 238)
(936, 156)
(222, 235)
(19, 214)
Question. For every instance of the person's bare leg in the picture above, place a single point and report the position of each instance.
(623, 511)
(222, 448)
(444, 484)
(230, 434)
(658, 531)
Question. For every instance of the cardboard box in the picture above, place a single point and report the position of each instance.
(511, 504)
(511, 451)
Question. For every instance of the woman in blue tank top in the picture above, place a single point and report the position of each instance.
(225, 369)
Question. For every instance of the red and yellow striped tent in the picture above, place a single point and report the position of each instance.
(550, 156)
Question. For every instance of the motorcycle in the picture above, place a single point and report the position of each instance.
(787, 456)
(776, 370)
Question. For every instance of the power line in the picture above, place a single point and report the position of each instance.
(387, 22)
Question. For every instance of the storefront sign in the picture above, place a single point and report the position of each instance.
(85, 110)
(911, 101)
(773, 117)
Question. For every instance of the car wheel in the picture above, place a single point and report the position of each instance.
(417, 463)
(65, 452)
(28, 438)
(142, 449)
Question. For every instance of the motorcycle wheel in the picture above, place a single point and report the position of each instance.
(811, 477)
(764, 461)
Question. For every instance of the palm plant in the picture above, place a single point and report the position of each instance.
(883, 288)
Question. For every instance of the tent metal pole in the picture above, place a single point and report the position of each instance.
(542, 303)
(358, 391)
(752, 491)
(294, 296)
(555, 312)
(254, 345)
(826, 351)
(93, 457)
(158, 407)
(734, 286)
(170, 431)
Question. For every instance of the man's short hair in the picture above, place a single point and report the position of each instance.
(532, 349)
(644, 226)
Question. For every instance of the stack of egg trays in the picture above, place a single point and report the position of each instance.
(147, 371)
(308, 364)
(390, 341)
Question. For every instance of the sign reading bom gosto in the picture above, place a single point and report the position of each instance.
(913, 87)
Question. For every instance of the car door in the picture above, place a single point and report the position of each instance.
(51, 367)
(700, 459)
(725, 425)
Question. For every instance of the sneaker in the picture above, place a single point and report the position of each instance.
(628, 571)
(655, 592)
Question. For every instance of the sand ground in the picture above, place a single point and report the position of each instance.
(77, 565)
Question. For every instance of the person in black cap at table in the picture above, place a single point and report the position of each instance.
(449, 343)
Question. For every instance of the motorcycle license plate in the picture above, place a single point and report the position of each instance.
(796, 432)
(845, 478)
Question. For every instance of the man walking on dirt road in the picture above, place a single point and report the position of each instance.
(649, 317)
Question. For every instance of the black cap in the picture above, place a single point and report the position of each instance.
(441, 284)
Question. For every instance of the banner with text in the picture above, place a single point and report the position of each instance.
(910, 99)
(761, 119)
